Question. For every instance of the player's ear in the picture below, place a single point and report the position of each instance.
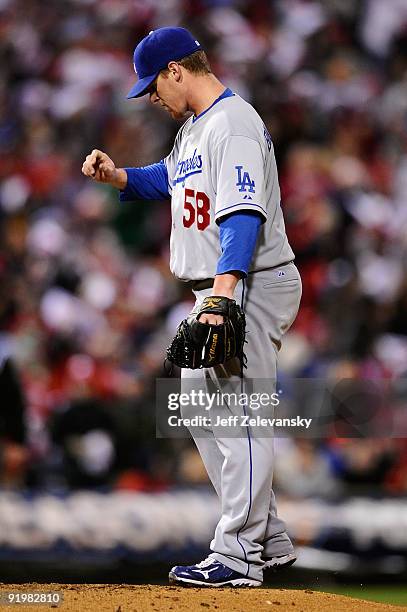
(175, 71)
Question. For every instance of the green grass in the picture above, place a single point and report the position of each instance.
(384, 593)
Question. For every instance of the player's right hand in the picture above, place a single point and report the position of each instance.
(99, 167)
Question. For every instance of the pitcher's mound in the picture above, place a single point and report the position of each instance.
(129, 598)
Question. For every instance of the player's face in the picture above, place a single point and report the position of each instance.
(166, 92)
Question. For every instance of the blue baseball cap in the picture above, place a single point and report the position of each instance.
(155, 51)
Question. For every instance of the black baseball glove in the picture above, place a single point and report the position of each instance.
(200, 345)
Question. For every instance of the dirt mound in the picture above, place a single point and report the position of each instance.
(128, 598)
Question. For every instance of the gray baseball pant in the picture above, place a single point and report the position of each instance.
(241, 468)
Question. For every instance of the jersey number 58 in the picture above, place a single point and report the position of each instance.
(196, 209)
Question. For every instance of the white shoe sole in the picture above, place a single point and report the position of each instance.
(277, 563)
(236, 582)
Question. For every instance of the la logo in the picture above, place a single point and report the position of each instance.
(244, 182)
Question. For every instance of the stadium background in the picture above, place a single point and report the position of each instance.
(88, 305)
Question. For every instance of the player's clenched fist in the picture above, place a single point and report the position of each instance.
(101, 168)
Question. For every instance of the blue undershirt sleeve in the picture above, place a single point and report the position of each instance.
(146, 183)
(238, 236)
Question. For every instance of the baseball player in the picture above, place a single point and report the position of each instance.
(228, 239)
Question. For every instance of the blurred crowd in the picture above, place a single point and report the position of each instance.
(88, 304)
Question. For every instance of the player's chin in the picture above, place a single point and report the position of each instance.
(175, 114)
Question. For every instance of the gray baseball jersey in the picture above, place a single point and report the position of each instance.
(223, 161)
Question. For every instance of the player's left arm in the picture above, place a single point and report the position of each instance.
(238, 234)
(238, 169)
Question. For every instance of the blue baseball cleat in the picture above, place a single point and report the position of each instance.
(209, 573)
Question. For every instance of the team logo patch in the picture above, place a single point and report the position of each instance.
(245, 183)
